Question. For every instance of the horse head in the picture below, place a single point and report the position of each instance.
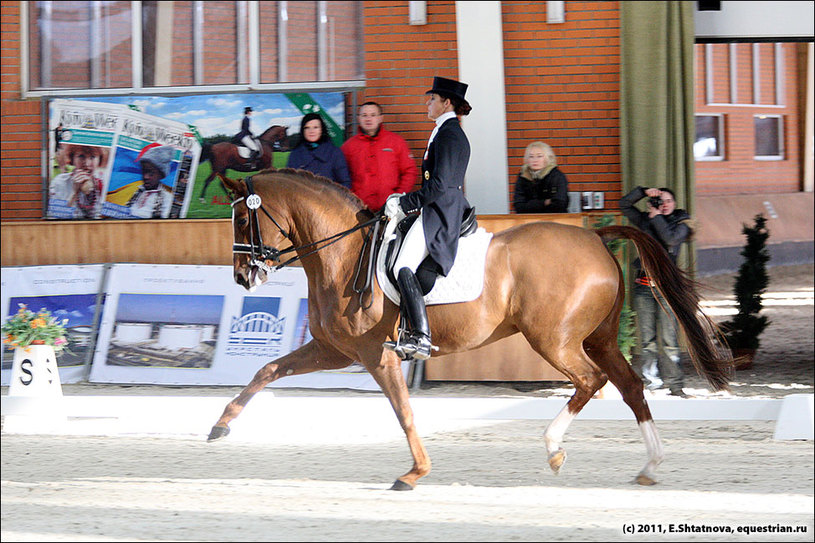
(254, 251)
(277, 137)
(293, 209)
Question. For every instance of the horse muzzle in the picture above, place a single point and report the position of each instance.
(250, 276)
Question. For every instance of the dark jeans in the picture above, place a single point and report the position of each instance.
(658, 364)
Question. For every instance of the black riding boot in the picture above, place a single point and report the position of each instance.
(417, 344)
(253, 156)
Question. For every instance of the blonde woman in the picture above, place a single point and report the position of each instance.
(541, 187)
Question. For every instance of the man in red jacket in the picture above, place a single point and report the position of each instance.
(379, 161)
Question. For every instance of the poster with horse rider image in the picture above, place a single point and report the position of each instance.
(234, 135)
(114, 161)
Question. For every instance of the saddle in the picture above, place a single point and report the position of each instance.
(244, 151)
(463, 283)
(469, 224)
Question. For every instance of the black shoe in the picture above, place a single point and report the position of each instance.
(679, 393)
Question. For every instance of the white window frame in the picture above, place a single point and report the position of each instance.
(720, 141)
(137, 87)
(780, 134)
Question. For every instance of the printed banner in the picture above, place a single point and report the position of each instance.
(68, 292)
(140, 121)
(192, 325)
(114, 161)
(84, 140)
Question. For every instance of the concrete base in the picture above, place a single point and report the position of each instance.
(795, 420)
(368, 419)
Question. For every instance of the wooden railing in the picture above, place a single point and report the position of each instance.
(194, 241)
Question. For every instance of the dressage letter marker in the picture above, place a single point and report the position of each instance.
(35, 378)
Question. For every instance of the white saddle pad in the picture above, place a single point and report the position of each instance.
(465, 281)
(244, 152)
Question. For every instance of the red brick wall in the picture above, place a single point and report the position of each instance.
(739, 172)
(562, 81)
(563, 88)
(182, 73)
(401, 60)
(20, 138)
(302, 41)
(220, 44)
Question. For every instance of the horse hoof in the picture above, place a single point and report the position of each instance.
(217, 432)
(556, 460)
(644, 480)
(401, 485)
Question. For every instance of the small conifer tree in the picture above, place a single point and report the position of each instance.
(743, 330)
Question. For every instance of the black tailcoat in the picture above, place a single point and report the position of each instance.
(441, 198)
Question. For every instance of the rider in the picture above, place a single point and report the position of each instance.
(430, 245)
(246, 137)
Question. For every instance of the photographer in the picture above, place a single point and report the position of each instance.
(658, 363)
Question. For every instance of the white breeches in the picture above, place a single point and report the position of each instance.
(414, 248)
(250, 142)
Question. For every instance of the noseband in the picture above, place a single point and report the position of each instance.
(257, 251)
(260, 253)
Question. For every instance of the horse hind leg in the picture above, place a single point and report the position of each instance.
(310, 357)
(587, 379)
(609, 358)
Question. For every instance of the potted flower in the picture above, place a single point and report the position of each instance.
(26, 328)
(743, 329)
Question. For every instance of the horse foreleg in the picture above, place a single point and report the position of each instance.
(310, 357)
(388, 374)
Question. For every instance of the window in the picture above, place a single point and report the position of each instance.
(709, 142)
(769, 140)
(116, 47)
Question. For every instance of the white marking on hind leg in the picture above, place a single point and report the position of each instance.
(653, 445)
(554, 435)
(556, 429)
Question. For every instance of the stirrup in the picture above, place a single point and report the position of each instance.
(398, 348)
(416, 346)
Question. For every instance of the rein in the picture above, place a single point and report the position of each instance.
(260, 253)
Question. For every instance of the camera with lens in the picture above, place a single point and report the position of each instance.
(655, 201)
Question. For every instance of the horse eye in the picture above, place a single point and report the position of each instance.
(243, 221)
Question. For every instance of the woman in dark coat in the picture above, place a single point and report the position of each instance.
(430, 245)
(541, 187)
(317, 154)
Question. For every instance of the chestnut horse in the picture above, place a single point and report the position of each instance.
(225, 155)
(556, 284)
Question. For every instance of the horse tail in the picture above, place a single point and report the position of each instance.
(706, 344)
(206, 152)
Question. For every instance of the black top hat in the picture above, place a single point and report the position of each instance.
(449, 88)
(247, 109)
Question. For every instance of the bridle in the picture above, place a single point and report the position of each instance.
(260, 253)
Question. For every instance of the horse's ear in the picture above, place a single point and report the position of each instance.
(233, 187)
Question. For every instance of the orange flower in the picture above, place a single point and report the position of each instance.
(38, 323)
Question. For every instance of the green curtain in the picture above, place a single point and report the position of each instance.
(657, 125)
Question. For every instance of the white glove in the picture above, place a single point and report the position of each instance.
(392, 208)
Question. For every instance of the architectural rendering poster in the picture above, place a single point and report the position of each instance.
(97, 147)
(68, 292)
(192, 325)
